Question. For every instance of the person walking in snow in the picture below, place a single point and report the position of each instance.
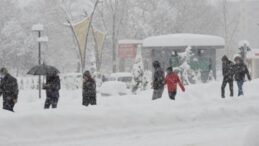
(9, 89)
(228, 76)
(89, 89)
(241, 71)
(52, 87)
(171, 80)
(158, 81)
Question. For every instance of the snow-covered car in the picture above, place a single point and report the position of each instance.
(113, 88)
(124, 77)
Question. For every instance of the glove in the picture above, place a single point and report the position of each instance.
(12, 99)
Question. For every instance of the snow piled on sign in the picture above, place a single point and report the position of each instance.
(198, 117)
(184, 40)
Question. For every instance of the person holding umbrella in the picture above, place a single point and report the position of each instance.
(52, 87)
(9, 90)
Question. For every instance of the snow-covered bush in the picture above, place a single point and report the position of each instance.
(193, 68)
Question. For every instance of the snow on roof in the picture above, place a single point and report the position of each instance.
(253, 54)
(130, 42)
(184, 40)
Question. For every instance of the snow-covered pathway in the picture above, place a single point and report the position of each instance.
(199, 117)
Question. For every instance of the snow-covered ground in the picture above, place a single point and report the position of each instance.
(198, 117)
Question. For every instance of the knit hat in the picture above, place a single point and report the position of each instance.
(224, 58)
(156, 64)
(170, 69)
(87, 74)
(238, 58)
(4, 71)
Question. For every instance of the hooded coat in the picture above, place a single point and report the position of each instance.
(227, 69)
(89, 90)
(172, 79)
(158, 78)
(241, 71)
(9, 88)
(52, 86)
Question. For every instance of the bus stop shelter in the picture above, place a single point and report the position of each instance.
(162, 47)
(253, 62)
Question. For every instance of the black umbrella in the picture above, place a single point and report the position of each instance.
(43, 70)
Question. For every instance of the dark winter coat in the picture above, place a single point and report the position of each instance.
(172, 79)
(89, 88)
(228, 70)
(52, 86)
(241, 71)
(9, 88)
(158, 78)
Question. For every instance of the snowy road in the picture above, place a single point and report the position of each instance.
(198, 118)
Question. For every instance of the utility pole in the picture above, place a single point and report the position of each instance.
(39, 28)
(39, 61)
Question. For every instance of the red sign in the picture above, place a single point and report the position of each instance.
(127, 50)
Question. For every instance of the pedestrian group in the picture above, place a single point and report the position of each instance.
(231, 71)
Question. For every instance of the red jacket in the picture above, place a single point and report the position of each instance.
(172, 79)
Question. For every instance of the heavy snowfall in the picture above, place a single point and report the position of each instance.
(196, 118)
(129, 73)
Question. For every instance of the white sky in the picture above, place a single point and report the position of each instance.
(23, 3)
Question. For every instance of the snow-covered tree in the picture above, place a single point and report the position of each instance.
(17, 48)
(244, 47)
(139, 80)
(187, 75)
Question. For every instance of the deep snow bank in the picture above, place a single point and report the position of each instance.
(200, 105)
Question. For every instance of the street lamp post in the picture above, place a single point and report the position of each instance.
(39, 28)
